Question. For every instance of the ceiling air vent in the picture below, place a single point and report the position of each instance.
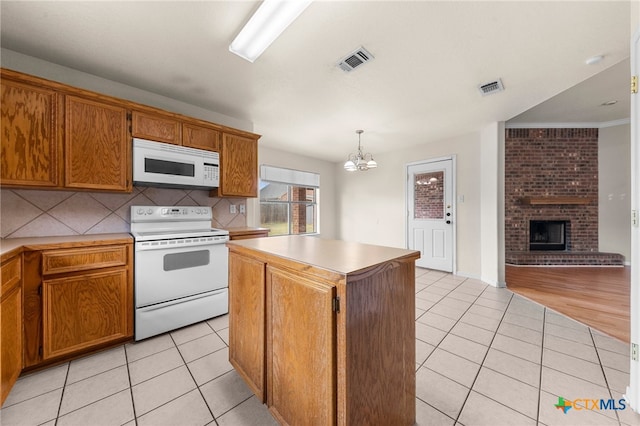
(491, 87)
(355, 59)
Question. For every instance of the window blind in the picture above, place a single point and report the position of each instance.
(289, 176)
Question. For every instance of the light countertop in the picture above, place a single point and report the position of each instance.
(12, 246)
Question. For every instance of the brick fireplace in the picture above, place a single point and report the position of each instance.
(552, 175)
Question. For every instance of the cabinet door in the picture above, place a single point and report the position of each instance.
(30, 135)
(10, 326)
(301, 342)
(84, 310)
(239, 167)
(247, 321)
(156, 127)
(97, 146)
(200, 137)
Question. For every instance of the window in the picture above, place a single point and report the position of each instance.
(288, 201)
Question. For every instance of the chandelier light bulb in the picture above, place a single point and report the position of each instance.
(360, 162)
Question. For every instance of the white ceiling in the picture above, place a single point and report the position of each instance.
(430, 56)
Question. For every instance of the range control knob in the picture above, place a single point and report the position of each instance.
(149, 211)
(140, 211)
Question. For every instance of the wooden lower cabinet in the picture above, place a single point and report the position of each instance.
(10, 325)
(247, 326)
(83, 311)
(301, 349)
(329, 325)
(77, 300)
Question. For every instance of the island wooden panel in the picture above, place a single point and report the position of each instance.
(301, 342)
(331, 306)
(247, 321)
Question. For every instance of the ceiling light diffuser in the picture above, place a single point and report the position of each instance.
(266, 25)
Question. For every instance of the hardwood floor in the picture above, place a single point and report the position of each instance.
(596, 296)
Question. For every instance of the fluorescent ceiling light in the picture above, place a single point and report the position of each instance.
(269, 21)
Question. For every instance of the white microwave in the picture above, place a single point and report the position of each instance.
(174, 166)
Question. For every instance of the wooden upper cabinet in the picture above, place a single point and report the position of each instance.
(156, 127)
(200, 137)
(239, 166)
(31, 138)
(97, 145)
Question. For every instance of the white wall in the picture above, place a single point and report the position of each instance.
(372, 205)
(614, 190)
(327, 193)
(491, 204)
(37, 67)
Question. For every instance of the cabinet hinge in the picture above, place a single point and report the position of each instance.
(634, 84)
(336, 304)
(39, 290)
(40, 350)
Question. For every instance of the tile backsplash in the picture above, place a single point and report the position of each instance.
(36, 213)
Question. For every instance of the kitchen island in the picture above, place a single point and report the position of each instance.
(323, 331)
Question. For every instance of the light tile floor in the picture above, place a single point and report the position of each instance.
(484, 356)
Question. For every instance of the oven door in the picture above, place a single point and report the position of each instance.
(166, 273)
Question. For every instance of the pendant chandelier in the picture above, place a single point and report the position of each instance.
(359, 161)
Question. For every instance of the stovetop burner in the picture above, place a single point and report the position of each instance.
(171, 222)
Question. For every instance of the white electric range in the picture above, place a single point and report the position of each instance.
(181, 268)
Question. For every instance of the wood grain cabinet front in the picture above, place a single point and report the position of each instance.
(87, 298)
(239, 166)
(301, 349)
(31, 138)
(58, 137)
(156, 127)
(97, 146)
(10, 324)
(77, 300)
(329, 324)
(200, 137)
(247, 321)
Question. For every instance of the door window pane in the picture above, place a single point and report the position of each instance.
(429, 195)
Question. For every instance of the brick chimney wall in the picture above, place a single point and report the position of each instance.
(551, 163)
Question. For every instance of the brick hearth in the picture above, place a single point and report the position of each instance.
(553, 164)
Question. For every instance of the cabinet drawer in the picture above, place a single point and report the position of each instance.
(11, 274)
(72, 260)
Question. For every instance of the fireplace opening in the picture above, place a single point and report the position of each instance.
(547, 235)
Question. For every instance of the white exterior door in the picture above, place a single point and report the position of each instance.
(431, 213)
